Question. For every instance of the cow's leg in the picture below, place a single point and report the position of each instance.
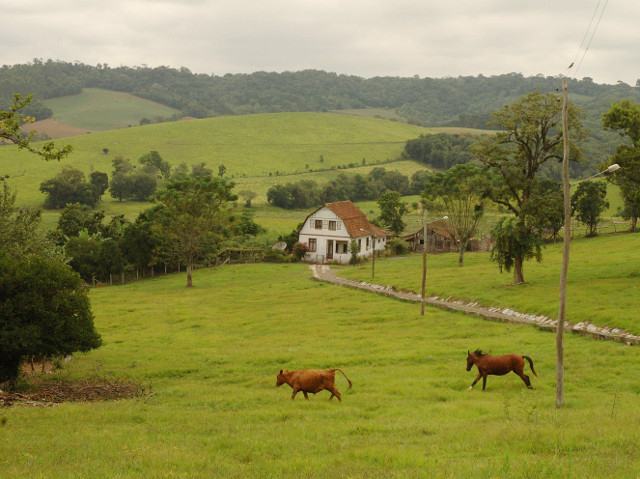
(305, 395)
(295, 391)
(474, 382)
(334, 392)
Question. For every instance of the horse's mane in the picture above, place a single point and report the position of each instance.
(478, 352)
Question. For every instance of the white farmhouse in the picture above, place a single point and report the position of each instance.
(329, 230)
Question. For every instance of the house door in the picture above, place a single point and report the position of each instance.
(329, 249)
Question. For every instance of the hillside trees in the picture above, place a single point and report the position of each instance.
(459, 193)
(193, 218)
(531, 136)
(128, 182)
(624, 117)
(441, 150)
(70, 186)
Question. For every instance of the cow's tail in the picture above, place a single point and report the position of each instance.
(345, 376)
(530, 364)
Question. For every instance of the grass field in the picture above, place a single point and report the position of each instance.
(603, 281)
(99, 110)
(249, 146)
(211, 354)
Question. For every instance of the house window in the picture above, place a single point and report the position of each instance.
(332, 225)
(342, 247)
(359, 245)
(313, 244)
(318, 224)
(367, 243)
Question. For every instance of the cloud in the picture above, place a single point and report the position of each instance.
(365, 38)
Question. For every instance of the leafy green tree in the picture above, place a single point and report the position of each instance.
(193, 218)
(155, 162)
(76, 217)
(624, 117)
(514, 242)
(20, 232)
(44, 310)
(200, 169)
(354, 249)
(248, 197)
(545, 209)
(69, 186)
(392, 209)
(531, 135)
(588, 202)
(99, 181)
(459, 193)
(139, 241)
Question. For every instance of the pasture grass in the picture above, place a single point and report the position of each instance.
(603, 284)
(211, 354)
(257, 150)
(98, 110)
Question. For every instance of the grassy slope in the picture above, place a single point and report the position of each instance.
(98, 110)
(251, 147)
(603, 283)
(211, 354)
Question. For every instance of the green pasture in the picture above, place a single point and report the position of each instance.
(603, 281)
(210, 355)
(264, 146)
(98, 110)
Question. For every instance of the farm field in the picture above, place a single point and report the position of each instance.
(211, 354)
(98, 110)
(603, 282)
(253, 148)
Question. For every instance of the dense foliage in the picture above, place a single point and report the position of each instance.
(441, 150)
(305, 194)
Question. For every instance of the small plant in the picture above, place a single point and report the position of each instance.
(300, 250)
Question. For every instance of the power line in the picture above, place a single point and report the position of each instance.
(586, 34)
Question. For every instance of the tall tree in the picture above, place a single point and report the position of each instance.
(392, 209)
(624, 117)
(459, 193)
(194, 217)
(531, 135)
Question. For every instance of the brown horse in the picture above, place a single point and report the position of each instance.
(498, 366)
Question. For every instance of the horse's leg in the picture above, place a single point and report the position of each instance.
(526, 379)
(484, 380)
(474, 382)
(295, 391)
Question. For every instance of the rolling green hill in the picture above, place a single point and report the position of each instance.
(98, 110)
(257, 150)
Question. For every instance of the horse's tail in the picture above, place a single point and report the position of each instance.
(530, 364)
(345, 376)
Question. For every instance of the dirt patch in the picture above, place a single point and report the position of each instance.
(53, 392)
(55, 129)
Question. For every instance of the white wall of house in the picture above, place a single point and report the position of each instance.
(329, 241)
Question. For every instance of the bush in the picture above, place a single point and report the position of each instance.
(300, 250)
(398, 246)
(276, 256)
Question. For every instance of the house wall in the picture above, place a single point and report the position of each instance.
(338, 238)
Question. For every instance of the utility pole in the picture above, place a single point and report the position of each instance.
(565, 251)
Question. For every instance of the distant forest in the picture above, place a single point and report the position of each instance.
(461, 101)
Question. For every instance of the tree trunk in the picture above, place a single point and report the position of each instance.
(518, 278)
(189, 282)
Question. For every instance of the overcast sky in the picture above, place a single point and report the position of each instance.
(359, 37)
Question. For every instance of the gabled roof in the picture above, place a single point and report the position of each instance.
(440, 227)
(354, 220)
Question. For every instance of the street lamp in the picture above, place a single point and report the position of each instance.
(424, 257)
(565, 251)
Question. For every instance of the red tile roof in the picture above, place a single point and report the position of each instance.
(355, 221)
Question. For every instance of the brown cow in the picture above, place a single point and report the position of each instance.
(311, 381)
